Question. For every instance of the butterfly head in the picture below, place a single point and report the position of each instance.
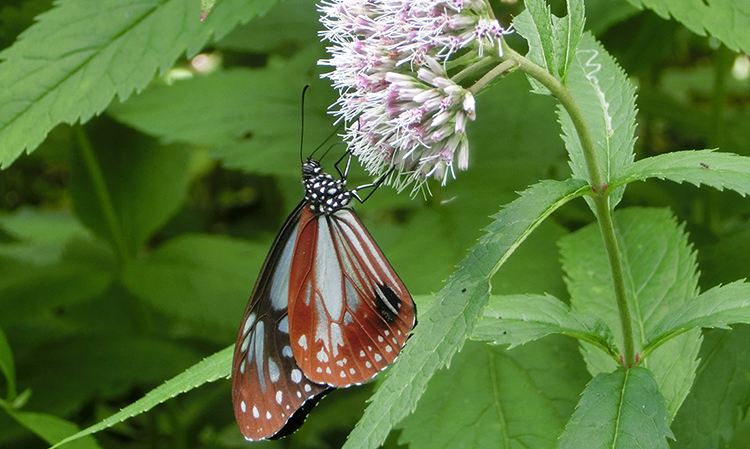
(323, 194)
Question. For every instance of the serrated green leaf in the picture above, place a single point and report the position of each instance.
(249, 116)
(622, 409)
(567, 32)
(50, 428)
(204, 279)
(719, 395)
(525, 25)
(538, 32)
(660, 275)
(7, 366)
(70, 64)
(123, 193)
(724, 20)
(607, 99)
(209, 369)
(206, 7)
(718, 170)
(718, 307)
(491, 397)
(519, 319)
(443, 329)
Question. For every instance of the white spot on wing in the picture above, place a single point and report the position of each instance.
(284, 325)
(256, 414)
(378, 357)
(307, 388)
(273, 370)
(279, 397)
(296, 375)
(243, 406)
(303, 342)
(268, 415)
(388, 348)
(322, 356)
(287, 351)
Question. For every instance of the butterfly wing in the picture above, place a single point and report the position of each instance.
(270, 393)
(349, 312)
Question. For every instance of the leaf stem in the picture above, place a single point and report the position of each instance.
(102, 193)
(600, 194)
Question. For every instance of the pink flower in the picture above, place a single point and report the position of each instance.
(401, 109)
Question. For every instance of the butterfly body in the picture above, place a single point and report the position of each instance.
(327, 311)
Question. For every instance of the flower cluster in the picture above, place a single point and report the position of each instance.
(401, 109)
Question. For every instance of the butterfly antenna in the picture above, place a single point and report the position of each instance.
(302, 123)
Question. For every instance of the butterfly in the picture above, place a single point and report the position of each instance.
(327, 311)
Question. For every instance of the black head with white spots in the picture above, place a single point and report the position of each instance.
(323, 194)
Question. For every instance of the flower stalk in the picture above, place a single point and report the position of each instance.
(599, 194)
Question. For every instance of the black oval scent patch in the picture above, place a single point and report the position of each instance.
(388, 303)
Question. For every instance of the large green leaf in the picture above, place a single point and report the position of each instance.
(518, 319)
(491, 397)
(103, 365)
(250, 117)
(619, 410)
(607, 100)
(203, 279)
(715, 404)
(726, 20)
(660, 276)
(123, 190)
(70, 64)
(210, 369)
(443, 329)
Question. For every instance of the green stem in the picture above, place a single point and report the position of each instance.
(102, 193)
(491, 75)
(472, 68)
(600, 193)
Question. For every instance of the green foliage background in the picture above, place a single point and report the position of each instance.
(139, 198)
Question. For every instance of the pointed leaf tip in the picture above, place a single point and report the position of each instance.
(206, 6)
